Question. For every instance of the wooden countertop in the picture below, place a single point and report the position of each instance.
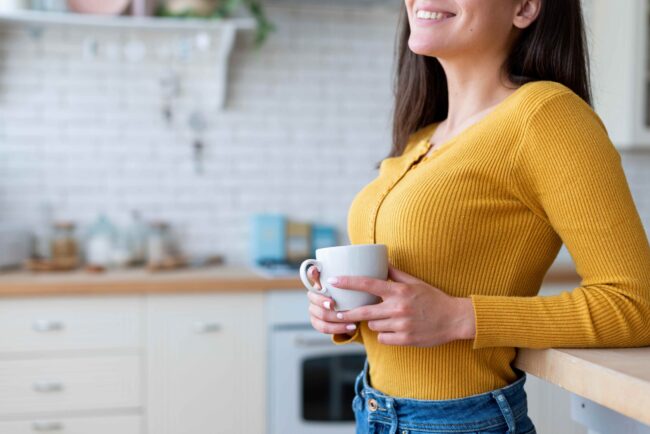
(617, 378)
(208, 279)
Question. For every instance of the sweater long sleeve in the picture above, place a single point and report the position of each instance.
(484, 216)
(568, 172)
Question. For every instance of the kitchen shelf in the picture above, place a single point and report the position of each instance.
(123, 21)
(226, 28)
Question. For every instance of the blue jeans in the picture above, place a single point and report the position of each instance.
(500, 411)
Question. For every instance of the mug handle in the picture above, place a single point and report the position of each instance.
(303, 275)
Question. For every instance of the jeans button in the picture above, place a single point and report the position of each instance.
(372, 404)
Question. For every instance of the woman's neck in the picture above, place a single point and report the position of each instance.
(474, 87)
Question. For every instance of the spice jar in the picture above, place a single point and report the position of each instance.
(158, 243)
(63, 246)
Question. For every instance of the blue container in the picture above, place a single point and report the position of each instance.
(268, 239)
(322, 236)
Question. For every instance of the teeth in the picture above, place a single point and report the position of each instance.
(428, 15)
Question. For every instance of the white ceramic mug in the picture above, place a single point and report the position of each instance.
(370, 260)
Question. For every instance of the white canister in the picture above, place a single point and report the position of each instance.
(12, 5)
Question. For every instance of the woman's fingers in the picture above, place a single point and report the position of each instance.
(379, 287)
(314, 275)
(325, 319)
(388, 338)
(320, 300)
(369, 312)
(326, 315)
(331, 328)
(383, 325)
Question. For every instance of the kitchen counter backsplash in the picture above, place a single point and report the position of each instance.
(107, 121)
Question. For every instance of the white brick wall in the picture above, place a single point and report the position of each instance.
(307, 118)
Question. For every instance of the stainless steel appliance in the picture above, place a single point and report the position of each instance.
(311, 380)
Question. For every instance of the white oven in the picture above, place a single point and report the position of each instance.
(311, 380)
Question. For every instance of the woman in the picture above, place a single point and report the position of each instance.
(497, 160)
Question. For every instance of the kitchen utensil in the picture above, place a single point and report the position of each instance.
(197, 124)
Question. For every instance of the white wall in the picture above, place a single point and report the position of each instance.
(307, 118)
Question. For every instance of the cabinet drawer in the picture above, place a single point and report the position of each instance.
(83, 383)
(81, 425)
(69, 323)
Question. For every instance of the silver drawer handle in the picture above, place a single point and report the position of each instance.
(207, 327)
(47, 426)
(47, 325)
(48, 386)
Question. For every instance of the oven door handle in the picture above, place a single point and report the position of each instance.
(310, 342)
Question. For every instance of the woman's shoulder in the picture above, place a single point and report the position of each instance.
(553, 101)
(558, 119)
(541, 94)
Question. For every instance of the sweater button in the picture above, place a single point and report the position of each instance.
(372, 404)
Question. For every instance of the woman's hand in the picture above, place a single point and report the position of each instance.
(411, 312)
(321, 310)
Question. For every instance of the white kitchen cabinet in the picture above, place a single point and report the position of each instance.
(41, 324)
(617, 32)
(206, 364)
(549, 407)
(130, 424)
(71, 364)
(70, 384)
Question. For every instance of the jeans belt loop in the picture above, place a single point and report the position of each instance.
(394, 422)
(504, 406)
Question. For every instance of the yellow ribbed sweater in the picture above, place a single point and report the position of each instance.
(484, 216)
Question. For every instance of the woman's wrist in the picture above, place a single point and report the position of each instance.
(466, 328)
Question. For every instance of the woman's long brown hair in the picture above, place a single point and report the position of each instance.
(552, 48)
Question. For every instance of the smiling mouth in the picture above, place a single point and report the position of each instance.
(424, 14)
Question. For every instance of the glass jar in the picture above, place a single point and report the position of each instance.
(158, 243)
(64, 249)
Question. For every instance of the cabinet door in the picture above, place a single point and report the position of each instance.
(69, 323)
(75, 425)
(206, 357)
(45, 385)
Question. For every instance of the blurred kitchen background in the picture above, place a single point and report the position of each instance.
(178, 141)
(115, 120)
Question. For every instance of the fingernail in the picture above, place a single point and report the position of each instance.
(351, 326)
(339, 315)
(332, 280)
(328, 305)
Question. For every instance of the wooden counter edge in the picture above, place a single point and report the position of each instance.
(109, 287)
(605, 386)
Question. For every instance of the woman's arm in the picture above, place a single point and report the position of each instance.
(567, 171)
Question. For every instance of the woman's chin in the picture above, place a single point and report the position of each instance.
(424, 48)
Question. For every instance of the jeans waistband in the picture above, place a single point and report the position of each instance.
(487, 410)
